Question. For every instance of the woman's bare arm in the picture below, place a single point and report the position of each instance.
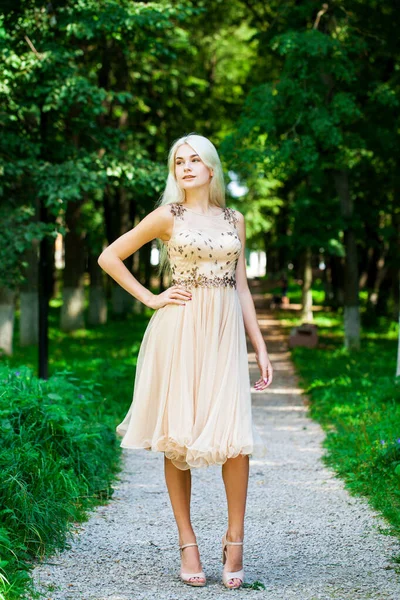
(249, 311)
(157, 224)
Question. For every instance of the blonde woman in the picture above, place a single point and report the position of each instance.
(191, 396)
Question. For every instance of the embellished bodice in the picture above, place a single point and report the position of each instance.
(203, 249)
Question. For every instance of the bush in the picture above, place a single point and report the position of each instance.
(58, 452)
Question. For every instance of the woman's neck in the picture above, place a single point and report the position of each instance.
(198, 199)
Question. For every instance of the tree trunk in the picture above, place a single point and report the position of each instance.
(328, 285)
(337, 278)
(45, 281)
(266, 244)
(380, 274)
(387, 296)
(72, 311)
(373, 255)
(282, 227)
(351, 300)
(398, 345)
(122, 301)
(7, 317)
(29, 298)
(385, 304)
(306, 310)
(97, 297)
(147, 265)
(118, 222)
(138, 307)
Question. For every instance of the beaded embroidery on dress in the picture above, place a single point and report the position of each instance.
(192, 396)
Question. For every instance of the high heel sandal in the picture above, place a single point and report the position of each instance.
(226, 575)
(186, 577)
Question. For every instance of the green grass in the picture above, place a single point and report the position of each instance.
(58, 456)
(59, 451)
(355, 396)
(107, 354)
(295, 292)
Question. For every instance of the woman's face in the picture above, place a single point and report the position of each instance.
(190, 171)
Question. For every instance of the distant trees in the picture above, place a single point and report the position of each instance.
(302, 100)
(324, 122)
(94, 93)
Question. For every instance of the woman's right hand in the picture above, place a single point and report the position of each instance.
(172, 295)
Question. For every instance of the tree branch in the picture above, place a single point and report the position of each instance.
(323, 10)
(32, 47)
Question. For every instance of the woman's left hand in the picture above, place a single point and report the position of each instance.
(266, 370)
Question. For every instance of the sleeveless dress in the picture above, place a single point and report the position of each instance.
(192, 390)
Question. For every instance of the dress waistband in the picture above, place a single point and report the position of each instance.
(204, 281)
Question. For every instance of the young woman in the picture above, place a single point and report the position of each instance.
(192, 391)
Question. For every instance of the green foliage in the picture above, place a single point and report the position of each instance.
(17, 231)
(74, 432)
(324, 101)
(76, 78)
(357, 401)
(290, 129)
(92, 94)
(255, 585)
(57, 459)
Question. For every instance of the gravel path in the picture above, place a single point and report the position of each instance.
(306, 537)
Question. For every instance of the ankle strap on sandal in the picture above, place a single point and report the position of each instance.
(186, 545)
(233, 543)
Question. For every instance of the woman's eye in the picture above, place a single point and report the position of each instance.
(194, 160)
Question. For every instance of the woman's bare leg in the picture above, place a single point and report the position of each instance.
(179, 488)
(235, 474)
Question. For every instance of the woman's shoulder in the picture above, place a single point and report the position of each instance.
(166, 210)
(233, 215)
(177, 209)
(171, 207)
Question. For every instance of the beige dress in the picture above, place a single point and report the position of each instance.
(191, 396)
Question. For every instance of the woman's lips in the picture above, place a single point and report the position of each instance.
(189, 177)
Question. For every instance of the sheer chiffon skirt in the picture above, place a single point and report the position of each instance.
(192, 397)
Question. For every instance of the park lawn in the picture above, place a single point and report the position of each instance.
(106, 354)
(356, 399)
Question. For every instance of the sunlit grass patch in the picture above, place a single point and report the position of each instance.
(356, 398)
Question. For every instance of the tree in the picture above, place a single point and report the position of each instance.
(310, 126)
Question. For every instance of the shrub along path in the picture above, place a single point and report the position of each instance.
(306, 536)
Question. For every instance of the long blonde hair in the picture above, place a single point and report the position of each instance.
(173, 193)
